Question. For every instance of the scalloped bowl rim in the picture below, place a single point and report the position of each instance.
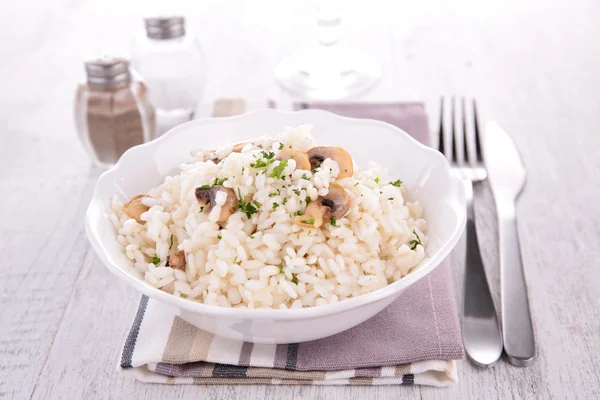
(419, 271)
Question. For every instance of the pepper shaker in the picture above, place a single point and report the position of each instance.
(173, 65)
(112, 110)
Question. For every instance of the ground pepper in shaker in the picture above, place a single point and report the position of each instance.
(112, 110)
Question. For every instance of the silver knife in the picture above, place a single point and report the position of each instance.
(507, 178)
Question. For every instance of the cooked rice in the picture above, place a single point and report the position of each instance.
(267, 261)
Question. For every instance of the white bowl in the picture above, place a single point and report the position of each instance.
(424, 171)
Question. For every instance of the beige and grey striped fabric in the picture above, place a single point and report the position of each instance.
(413, 341)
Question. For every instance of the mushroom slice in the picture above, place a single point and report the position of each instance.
(135, 208)
(333, 205)
(301, 158)
(208, 198)
(177, 260)
(319, 154)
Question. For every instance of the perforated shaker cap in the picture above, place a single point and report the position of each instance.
(107, 72)
(165, 27)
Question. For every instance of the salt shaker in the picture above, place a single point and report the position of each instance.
(173, 65)
(112, 110)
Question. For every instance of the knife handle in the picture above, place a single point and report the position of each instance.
(519, 342)
(482, 337)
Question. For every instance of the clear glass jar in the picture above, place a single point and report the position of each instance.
(173, 66)
(112, 110)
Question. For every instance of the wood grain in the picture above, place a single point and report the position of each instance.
(533, 66)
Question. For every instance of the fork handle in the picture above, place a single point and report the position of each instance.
(482, 337)
(519, 341)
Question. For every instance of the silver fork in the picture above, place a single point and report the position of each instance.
(459, 141)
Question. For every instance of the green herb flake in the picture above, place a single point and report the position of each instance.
(155, 260)
(272, 194)
(307, 200)
(414, 243)
(235, 260)
(251, 236)
(297, 191)
(243, 169)
(396, 183)
(281, 269)
(219, 237)
(280, 146)
(278, 170)
(299, 212)
(219, 182)
(204, 187)
(305, 177)
(333, 221)
(377, 180)
(171, 245)
(202, 209)
(310, 232)
(390, 198)
(294, 279)
(269, 155)
(246, 208)
(356, 184)
(275, 205)
(308, 221)
(257, 204)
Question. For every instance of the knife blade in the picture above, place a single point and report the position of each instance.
(507, 177)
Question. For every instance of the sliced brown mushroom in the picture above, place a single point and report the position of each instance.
(207, 196)
(135, 208)
(176, 260)
(211, 155)
(319, 154)
(333, 205)
(301, 158)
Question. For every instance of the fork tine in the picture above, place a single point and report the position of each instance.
(465, 133)
(441, 130)
(454, 143)
(477, 137)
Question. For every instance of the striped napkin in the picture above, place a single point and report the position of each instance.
(413, 341)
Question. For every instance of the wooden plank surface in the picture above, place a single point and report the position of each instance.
(532, 66)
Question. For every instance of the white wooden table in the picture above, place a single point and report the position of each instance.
(534, 66)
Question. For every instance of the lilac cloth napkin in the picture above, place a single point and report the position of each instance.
(413, 341)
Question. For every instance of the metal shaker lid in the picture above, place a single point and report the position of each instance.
(107, 72)
(165, 27)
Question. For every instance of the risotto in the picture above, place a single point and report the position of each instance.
(272, 223)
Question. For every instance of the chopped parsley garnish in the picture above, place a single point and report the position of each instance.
(155, 260)
(243, 169)
(305, 177)
(414, 243)
(269, 155)
(235, 260)
(204, 187)
(280, 146)
(219, 182)
(219, 237)
(294, 279)
(308, 221)
(299, 212)
(297, 191)
(275, 205)
(333, 221)
(257, 204)
(390, 198)
(356, 184)
(285, 201)
(251, 236)
(307, 200)
(171, 245)
(396, 183)
(265, 161)
(281, 269)
(314, 170)
(310, 232)
(377, 180)
(272, 194)
(246, 208)
(201, 208)
(278, 170)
